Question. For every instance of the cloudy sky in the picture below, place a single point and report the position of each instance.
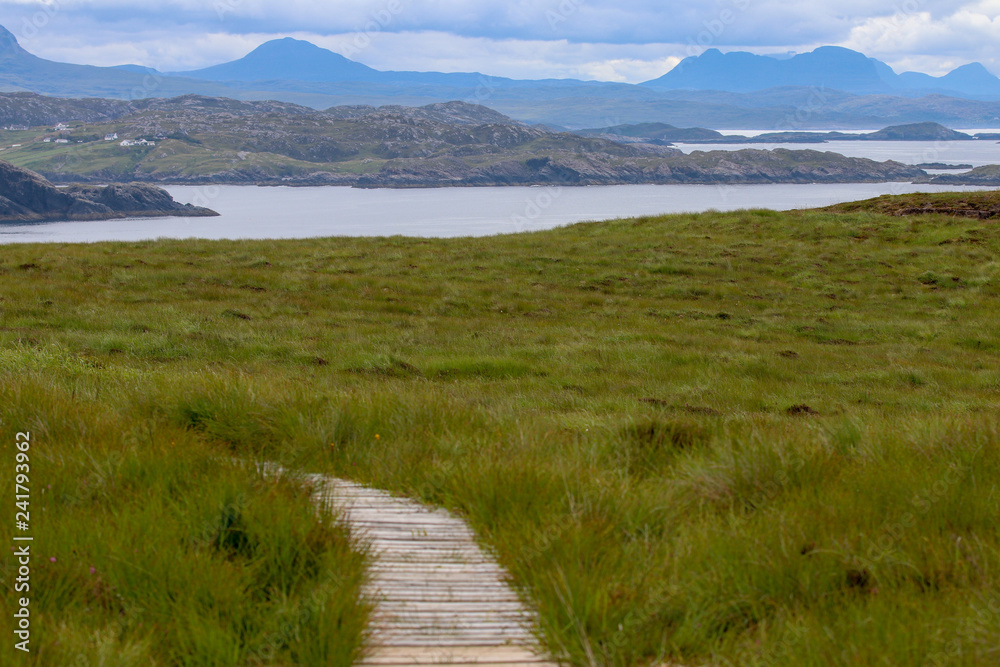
(612, 40)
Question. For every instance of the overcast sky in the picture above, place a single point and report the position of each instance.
(611, 40)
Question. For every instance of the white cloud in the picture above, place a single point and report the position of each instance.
(750, 22)
(590, 39)
(934, 44)
(536, 59)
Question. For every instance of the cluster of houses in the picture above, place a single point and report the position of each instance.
(128, 143)
(63, 127)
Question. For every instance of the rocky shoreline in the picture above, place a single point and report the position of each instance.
(28, 197)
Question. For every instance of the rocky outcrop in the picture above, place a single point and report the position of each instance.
(27, 197)
(988, 175)
(37, 110)
(746, 166)
(452, 113)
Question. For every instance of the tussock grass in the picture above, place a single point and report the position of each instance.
(746, 438)
(151, 546)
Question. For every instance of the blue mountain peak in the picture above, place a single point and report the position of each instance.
(8, 42)
(286, 59)
(829, 67)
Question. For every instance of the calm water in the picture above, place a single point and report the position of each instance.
(274, 213)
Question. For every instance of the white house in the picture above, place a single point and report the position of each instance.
(111, 137)
(46, 140)
(127, 143)
(62, 141)
(62, 127)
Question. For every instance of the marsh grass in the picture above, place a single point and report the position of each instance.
(152, 547)
(746, 438)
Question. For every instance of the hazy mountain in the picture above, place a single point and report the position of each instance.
(291, 59)
(828, 67)
(741, 72)
(298, 72)
(972, 79)
(287, 59)
(22, 71)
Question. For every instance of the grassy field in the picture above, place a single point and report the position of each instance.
(733, 439)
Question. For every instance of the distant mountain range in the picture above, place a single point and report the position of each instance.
(830, 88)
(828, 67)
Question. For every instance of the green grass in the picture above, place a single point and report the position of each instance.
(152, 546)
(748, 438)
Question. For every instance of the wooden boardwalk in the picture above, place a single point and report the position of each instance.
(440, 599)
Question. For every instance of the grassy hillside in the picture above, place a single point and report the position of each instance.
(211, 140)
(230, 141)
(748, 438)
(983, 205)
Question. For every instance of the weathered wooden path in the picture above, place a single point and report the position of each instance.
(440, 599)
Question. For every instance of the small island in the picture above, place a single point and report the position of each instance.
(667, 135)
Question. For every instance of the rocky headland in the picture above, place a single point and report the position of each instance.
(28, 197)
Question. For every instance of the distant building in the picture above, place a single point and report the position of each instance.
(16, 145)
(46, 140)
(111, 137)
(16, 128)
(127, 142)
(62, 141)
(62, 127)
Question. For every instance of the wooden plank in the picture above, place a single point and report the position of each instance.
(461, 663)
(456, 615)
(440, 598)
(425, 640)
(498, 653)
(495, 657)
(505, 605)
(453, 601)
(475, 612)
